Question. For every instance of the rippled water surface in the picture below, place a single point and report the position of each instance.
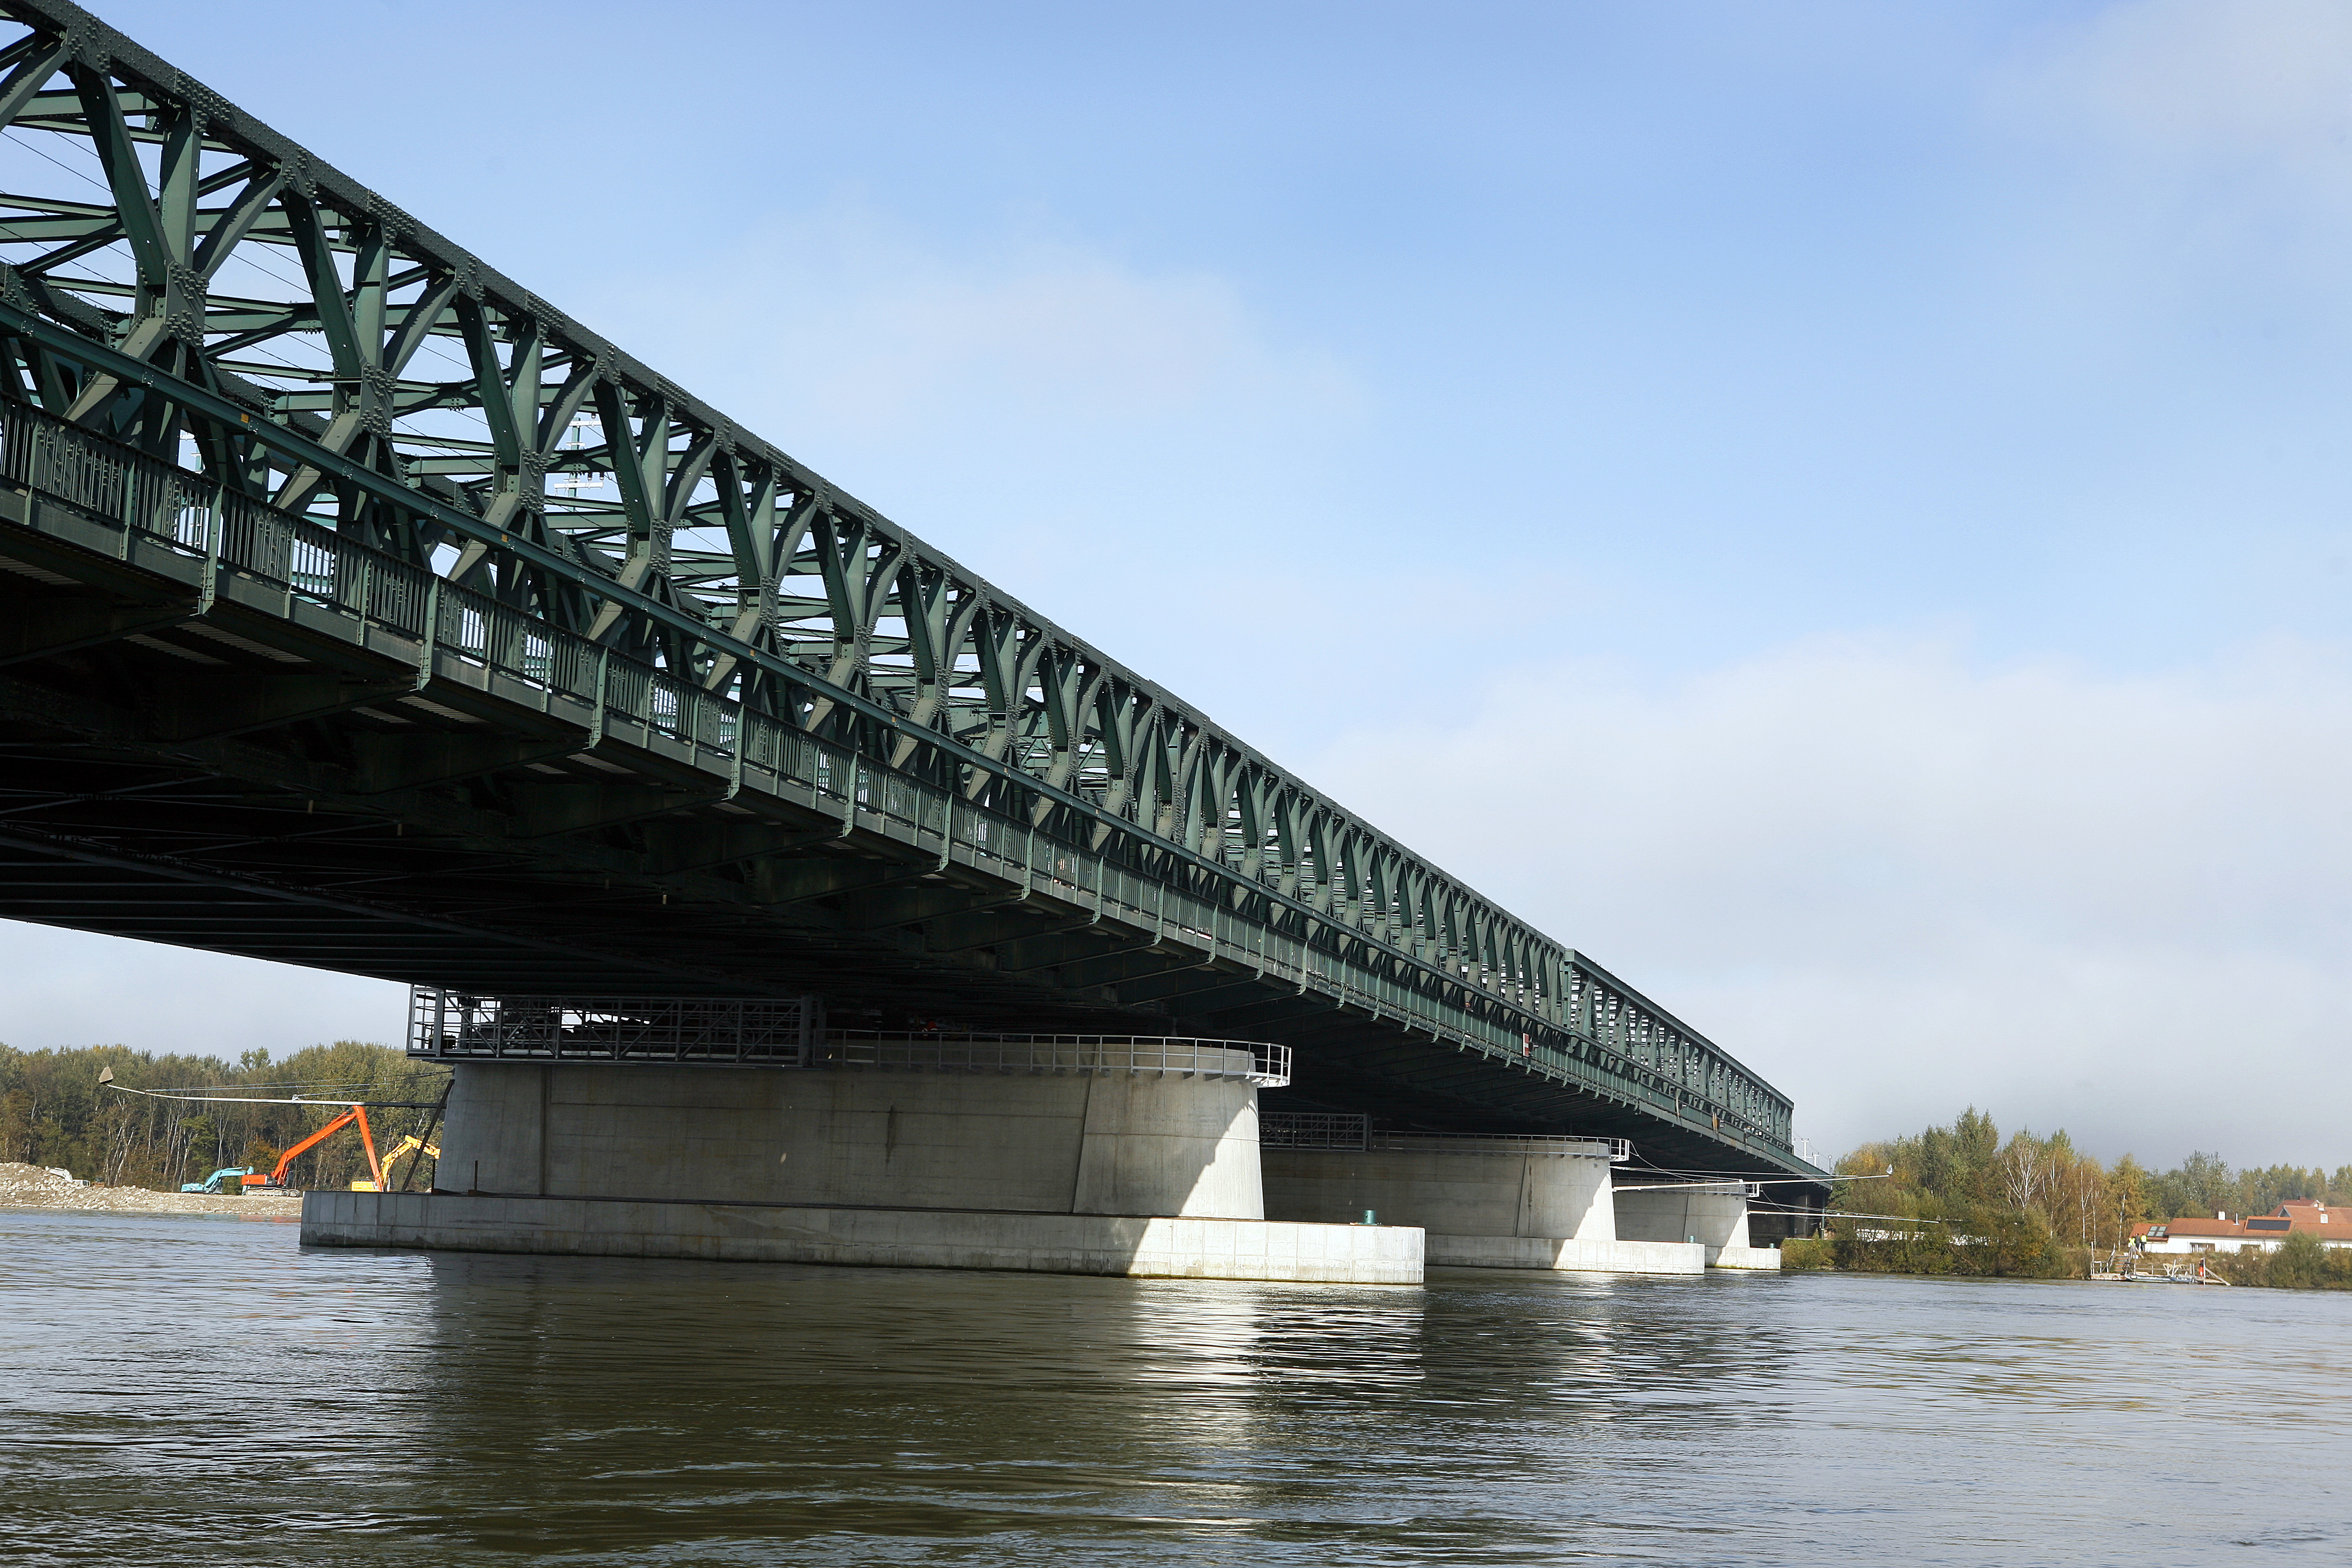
(196, 1391)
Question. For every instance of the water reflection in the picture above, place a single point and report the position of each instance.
(787, 1403)
(178, 1391)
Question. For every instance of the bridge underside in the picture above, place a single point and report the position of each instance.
(361, 609)
(218, 764)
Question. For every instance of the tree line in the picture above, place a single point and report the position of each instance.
(54, 1113)
(1964, 1200)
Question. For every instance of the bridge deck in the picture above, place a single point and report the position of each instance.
(323, 658)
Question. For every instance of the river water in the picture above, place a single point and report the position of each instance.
(179, 1391)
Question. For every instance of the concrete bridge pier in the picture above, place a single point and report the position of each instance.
(1111, 1140)
(1485, 1201)
(586, 1132)
(1712, 1213)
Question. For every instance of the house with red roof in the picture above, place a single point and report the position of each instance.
(2247, 1233)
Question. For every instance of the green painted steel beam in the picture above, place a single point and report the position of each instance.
(896, 649)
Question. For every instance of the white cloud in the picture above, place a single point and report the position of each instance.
(1043, 333)
(1105, 442)
(2150, 289)
(2206, 79)
(2191, 138)
(1896, 885)
(896, 370)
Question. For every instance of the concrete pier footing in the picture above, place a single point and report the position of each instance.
(1138, 1158)
(1487, 1203)
(1712, 1213)
(1113, 1139)
(1556, 1187)
(1767, 1259)
(1151, 1246)
(1134, 1159)
(1516, 1202)
(1551, 1252)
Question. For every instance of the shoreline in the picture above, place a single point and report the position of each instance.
(33, 1189)
(277, 1215)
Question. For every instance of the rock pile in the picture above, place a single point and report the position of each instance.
(32, 1187)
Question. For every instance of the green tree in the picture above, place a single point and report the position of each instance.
(1959, 1200)
(17, 1126)
(202, 1144)
(2080, 1195)
(2199, 1187)
(2299, 1264)
(2265, 1189)
(2022, 1171)
(2007, 1243)
(2130, 1184)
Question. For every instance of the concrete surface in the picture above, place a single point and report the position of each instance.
(1765, 1258)
(1078, 1144)
(1548, 1252)
(1716, 1213)
(1464, 1188)
(1148, 1246)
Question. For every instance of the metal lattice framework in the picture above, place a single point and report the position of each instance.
(1314, 1129)
(768, 1032)
(281, 350)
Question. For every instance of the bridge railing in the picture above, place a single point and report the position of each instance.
(144, 495)
(1267, 1066)
(1726, 1189)
(749, 1031)
(1617, 1045)
(1319, 1130)
(767, 1031)
(1313, 1130)
(1615, 1150)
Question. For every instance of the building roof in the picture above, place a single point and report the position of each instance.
(2295, 1215)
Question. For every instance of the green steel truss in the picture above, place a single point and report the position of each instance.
(178, 279)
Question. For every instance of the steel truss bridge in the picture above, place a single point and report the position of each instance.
(359, 609)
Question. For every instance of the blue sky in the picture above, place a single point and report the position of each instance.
(1839, 511)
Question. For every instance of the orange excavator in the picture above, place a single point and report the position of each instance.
(275, 1181)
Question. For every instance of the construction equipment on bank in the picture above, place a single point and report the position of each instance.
(276, 1181)
(212, 1184)
(412, 1145)
(249, 1179)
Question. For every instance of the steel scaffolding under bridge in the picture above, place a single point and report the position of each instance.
(359, 610)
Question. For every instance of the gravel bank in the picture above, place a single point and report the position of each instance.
(31, 1187)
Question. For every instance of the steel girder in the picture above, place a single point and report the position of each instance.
(181, 279)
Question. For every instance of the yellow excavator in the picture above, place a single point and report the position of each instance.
(412, 1145)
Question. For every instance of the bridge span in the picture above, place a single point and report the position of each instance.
(359, 610)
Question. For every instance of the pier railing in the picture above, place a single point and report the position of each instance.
(1267, 1066)
(1317, 1130)
(789, 1032)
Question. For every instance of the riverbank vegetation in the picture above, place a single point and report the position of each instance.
(1963, 1200)
(53, 1112)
